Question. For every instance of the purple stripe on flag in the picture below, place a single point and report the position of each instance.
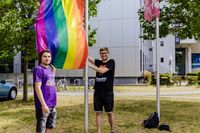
(51, 29)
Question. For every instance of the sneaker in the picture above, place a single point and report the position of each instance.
(112, 132)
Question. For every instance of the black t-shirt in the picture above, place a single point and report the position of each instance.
(104, 81)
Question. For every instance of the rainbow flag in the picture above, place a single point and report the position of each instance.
(60, 28)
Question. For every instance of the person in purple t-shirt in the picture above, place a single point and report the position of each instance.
(45, 93)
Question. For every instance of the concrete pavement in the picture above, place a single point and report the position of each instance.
(81, 93)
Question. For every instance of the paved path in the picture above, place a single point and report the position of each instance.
(175, 93)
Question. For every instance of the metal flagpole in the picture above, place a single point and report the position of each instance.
(157, 67)
(141, 44)
(86, 72)
(153, 10)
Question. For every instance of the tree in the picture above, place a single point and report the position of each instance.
(17, 34)
(178, 17)
(92, 13)
(17, 18)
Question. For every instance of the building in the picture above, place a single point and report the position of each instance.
(188, 56)
(119, 29)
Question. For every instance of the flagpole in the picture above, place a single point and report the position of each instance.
(86, 72)
(157, 67)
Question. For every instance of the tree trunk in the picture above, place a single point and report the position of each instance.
(25, 86)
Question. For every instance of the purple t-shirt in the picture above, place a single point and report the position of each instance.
(47, 78)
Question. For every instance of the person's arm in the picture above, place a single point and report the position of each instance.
(91, 59)
(101, 69)
(38, 91)
(53, 69)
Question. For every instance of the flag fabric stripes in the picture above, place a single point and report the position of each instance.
(151, 9)
(60, 28)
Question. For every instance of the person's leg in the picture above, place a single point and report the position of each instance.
(109, 104)
(41, 121)
(48, 130)
(99, 121)
(51, 121)
(111, 121)
(98, 108)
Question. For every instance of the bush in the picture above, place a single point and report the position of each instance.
(165, 79)
(192, 74)
(198, 74)
(153, 80)
(147, 77)
(176, 79)
(192, 80)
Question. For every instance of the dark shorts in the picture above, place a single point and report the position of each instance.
(45, 120)
(103, 100)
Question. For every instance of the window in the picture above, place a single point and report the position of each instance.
(162, 43)
(150, 49)
(162, 59)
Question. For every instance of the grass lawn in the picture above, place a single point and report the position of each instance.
(182, 113)
(141, 88)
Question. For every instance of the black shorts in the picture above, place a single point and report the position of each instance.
(103, 99)
(45, 120)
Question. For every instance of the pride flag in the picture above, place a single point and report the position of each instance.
(60, 28)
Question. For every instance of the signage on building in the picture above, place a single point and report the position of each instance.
(195, 60)
(177, 40)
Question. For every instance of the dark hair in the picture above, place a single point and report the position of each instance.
(41, 53)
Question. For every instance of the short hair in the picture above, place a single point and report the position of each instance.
(41, 53)
(103, 49)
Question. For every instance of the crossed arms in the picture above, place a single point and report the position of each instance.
(92, 65)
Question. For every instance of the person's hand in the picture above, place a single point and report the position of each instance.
(90, 64)
(45, 109)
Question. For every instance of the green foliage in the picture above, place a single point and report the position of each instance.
(192, 74)
(91, 36)
(176, 79)
(198, 74)
(92, 13)
(17, 17)
(192, 80)
(166, 79)
(178, 17)
(93, 8)
(148, 77)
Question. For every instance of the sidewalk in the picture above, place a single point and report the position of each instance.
(81, 93)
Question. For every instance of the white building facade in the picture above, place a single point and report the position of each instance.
(118, 28)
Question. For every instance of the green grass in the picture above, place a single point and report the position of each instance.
(182, 116)
(138, 88)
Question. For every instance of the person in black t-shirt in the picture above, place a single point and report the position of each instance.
(103, 94)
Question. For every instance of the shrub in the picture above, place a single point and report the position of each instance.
(192, 74)
(198, 74)
(165, 79)
(147, 77)
(176, 79)
(192, 80)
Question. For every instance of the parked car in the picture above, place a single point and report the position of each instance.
(8, 90)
